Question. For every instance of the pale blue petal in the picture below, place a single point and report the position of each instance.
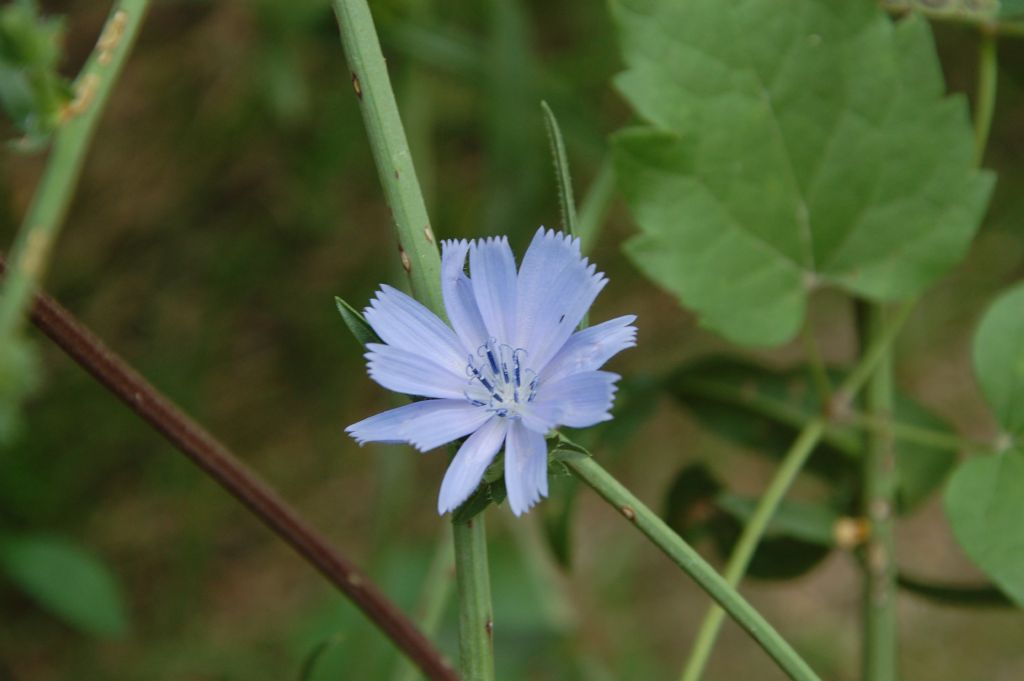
(409, 373)
(404, 323)
(459, 302)
(526, 467)
(425, 425)
(590, 348)
(536, 421)
(547, 257)
(577, 400)
(467, 468)
(493, 272)
(556, 287)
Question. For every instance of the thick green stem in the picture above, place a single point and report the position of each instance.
(683, 555)
(421, 261)
(476, 624)
(791, 465)
(390, 149)
(49, 206)
(745, 547)
(880, 626)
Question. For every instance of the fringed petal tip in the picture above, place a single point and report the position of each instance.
(552, 235)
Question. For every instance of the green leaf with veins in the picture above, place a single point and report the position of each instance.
(788, 149)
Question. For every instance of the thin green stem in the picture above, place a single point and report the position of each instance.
(683, 555)
(879, 653)
(390, 149)
(875, 353)
(794, 460)
(906, 432)
(476, 623)
(985, 104)
(434, 597)
(747, 544)
(46, 213)
(955, 15)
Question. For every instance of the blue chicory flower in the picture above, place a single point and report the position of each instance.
(509, 369)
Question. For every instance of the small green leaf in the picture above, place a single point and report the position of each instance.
(787, 150)
(486, 494)
(69, 582)
(690, 501)
(697, 507)
(561, 160)
(356, 323)
(920, 469)
(999, 359)
(964, 595)
(812, 523)
(985, 507)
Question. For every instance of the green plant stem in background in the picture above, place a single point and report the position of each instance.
(476, 622)
(652, 526)
(879, 656)
(875, 353)
(372, 87)
(434, 596)
(746, 546)
(984, 107)
(421, 261)
(905, 432)
(957, 13)
(50, 202)
(791, 465)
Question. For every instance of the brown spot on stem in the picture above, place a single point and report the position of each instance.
(356, 86)
(406, 262)
(429, 233)
(355, 579)
(84, 93)
(850, 533)
(111, 36)
(489, 628)
(629, 513)
(36, 247)
(397, 174)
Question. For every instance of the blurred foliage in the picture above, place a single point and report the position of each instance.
(230, 194)
(32, 92)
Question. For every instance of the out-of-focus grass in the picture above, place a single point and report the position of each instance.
(230, 195)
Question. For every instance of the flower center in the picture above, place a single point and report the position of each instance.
(498, 380)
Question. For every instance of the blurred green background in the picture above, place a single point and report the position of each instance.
(229, 194)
